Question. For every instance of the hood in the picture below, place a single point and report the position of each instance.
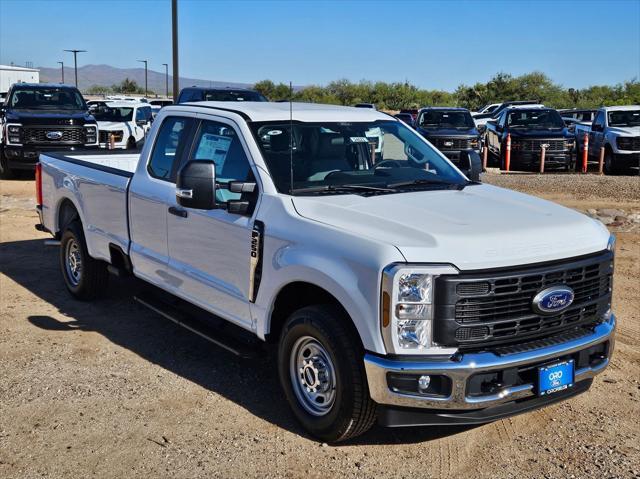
(542, 133)
(50, 117)
(479, 227)
(112, 125)
(448, 132)
(624, 131)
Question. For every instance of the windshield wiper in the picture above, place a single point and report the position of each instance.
(343, 188)
(425, 181)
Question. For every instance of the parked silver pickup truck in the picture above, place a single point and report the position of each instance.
(395, 285)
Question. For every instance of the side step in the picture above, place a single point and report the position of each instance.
(225, 335)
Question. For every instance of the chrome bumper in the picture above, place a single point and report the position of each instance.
(459, 370)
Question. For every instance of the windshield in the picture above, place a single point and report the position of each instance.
(232, 95)
(107, 113)
(535, 119)
(446, 119)
(46, 99)
(374, 157)
(624, 118)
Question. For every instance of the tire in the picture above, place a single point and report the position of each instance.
(6, 173)
(131, 143)
(609, 167)
(318, 349)
(86, 278)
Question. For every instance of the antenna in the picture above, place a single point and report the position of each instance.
(291, 136)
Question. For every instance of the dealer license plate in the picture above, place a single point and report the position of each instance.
(556, 377)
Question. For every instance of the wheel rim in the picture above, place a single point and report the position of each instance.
(313, 376)
(73, 262)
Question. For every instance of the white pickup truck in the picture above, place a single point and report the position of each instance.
(397, 288)
(617, 130)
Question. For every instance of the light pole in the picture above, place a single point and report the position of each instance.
(145, 77)
(174, 38)
(166, 80)
(62, 70)
(75, 62)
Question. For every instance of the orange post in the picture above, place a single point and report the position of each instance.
(601, 161)
(485, 156)
(507, 155)
(543, 152)
(112, 141)
(585, 152)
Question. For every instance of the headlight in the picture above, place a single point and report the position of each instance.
(14, 132)
(407, 308)
(569, 144)
(624, 143)
(91, 134)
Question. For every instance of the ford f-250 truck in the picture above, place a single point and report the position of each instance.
(39, 116)
(617, 129)
(397, 289)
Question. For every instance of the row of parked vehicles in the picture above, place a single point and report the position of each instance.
(530, 126)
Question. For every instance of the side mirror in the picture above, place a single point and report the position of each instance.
(196, 185)
(141, 122)
(471, 164)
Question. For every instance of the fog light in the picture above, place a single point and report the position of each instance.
(423, 382)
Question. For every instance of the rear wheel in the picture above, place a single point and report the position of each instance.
(131, 143)
(85, 277)
(322, 374)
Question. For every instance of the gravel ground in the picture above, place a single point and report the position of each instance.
(109, 389)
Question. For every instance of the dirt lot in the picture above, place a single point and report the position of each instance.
(109, 389)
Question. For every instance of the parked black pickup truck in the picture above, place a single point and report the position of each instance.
(42, 117)
(450, 130)
(530, 129)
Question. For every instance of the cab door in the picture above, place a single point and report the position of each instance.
(596, 135)
(209, 250)
(152, 188)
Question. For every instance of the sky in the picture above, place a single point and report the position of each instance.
(432, 44)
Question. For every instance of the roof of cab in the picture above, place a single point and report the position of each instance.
(622, 108)
(280, 111)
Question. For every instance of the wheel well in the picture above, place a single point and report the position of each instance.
(67, 212)
(295, 296)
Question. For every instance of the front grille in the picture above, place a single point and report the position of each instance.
(443, 143)
(496, 308)
(38, 135)
(536, 144)
(104, 136)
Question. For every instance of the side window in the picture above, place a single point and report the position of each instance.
(140, 114)
(168, 147)
(220, 143)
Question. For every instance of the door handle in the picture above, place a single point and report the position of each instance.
(178, 212)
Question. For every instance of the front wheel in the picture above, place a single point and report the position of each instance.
(85, 277)
(609, 167)
(320, 362)
(6, 173)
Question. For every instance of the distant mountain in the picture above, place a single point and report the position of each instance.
(105, 75)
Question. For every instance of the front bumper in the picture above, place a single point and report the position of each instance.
(627, 160)
(455, 154)
(461, 368)
(532, 158)
(26, 156)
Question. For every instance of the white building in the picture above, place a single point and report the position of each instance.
(10, 74)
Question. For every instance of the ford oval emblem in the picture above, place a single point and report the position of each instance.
(54, 135)
(553, 299)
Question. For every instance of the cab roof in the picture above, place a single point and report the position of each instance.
(621, 108)
(280, 111)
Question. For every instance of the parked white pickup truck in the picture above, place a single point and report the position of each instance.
(617, 129)
(122, 124)
(397, 289)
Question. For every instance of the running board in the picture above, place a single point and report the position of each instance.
(218, 336)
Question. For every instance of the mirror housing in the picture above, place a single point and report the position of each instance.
(196, 188)
(471, 164)
(141, 122)
(196, 185)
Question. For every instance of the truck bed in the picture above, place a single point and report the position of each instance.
(96, 183)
